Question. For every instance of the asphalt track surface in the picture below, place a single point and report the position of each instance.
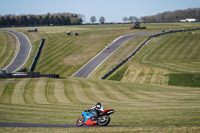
(88, 68)
(23, 52)
(12, 124)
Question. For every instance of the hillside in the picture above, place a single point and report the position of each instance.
(141, 96)
(163, 56)
(63, 54)
(154, 64)
(63, 100)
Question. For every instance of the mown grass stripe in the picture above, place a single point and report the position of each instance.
(49, 91)
(153, 45)
(79, 92)
(98, 93)
(7, 93)
(3, 45)
(179, 46)
(184, 51)
(29, 92)
(60, 92)
(164, 54)
(136, 75)
(136, 94)
(18, 93)
(181, 67)
(190, 65)
(124, 89)
(107, 91)
(69, 91)
(39, 92)
(8, 50)
(118, 95)
(2, 88)
(195, 48)
(87, 88)
(154, 76)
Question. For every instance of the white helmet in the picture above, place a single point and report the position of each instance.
(98, 105)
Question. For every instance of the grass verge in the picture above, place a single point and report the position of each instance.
(137, 129)
(134, 104)
(8, 48)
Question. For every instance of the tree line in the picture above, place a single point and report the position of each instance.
(171, 16)
(101, 19)
(46, 19)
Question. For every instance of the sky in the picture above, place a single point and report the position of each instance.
(112, 10)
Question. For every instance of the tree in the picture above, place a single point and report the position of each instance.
(82, 17)
(102, 20)
(125, 19)
(93, 19)
(133, 19)
(75, 21)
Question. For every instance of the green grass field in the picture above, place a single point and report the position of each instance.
(8, 48)
(162, 56)
(62, 101)
(64, 55)
(178, 52)
(141, 94)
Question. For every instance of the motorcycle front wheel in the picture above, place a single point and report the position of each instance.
(104, 120)
(80, 121)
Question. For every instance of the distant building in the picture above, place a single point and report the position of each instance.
(188, 20)
(183, 20)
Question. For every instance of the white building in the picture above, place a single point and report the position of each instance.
(189, 20)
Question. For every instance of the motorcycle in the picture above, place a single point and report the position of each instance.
(89, 118)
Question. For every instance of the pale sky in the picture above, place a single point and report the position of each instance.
(112, 10)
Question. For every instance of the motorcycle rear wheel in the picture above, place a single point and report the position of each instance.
(80, 121)
(104, 120)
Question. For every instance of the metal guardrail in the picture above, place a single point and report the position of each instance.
(28, 75)
(32, 67)
(129, 57)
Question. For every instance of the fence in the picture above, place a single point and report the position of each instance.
(125, 60)
(28, 75)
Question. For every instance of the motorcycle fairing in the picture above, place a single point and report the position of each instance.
(90, 123)
(108, 111)
(88, 116)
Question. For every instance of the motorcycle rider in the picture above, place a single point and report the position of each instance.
(97, 109)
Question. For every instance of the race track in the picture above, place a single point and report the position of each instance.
(12, 124)
(88, 68)
(23, 52)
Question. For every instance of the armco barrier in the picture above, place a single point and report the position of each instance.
(125, 60)
(32, 67)
(28, 75)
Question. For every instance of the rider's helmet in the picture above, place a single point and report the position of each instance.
(98, 105)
